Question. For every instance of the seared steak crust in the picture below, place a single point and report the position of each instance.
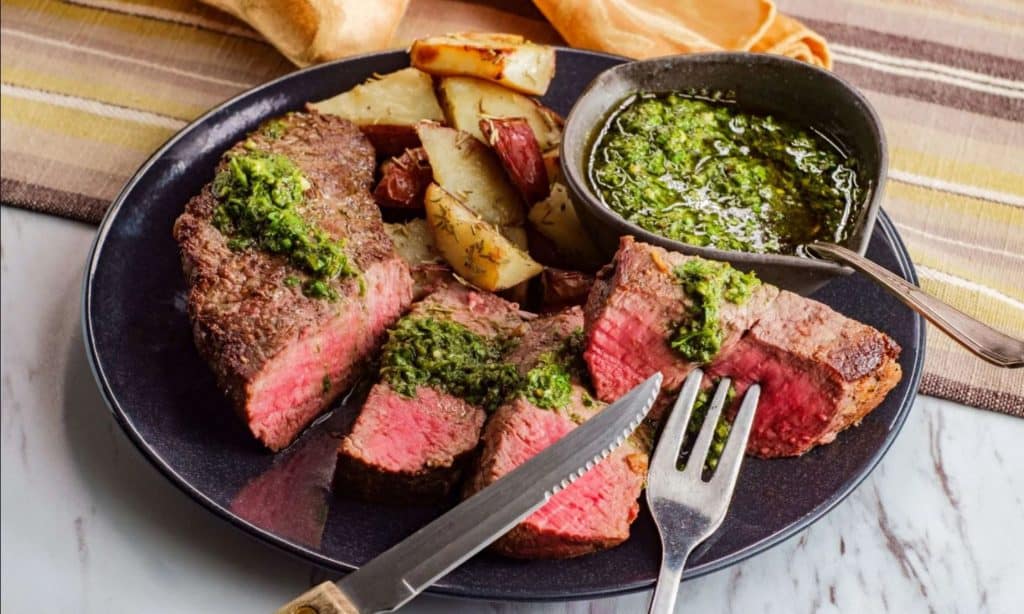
(246, 319)
(819, 371)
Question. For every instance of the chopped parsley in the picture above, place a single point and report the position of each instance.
(548, 385)
(707, 283)
(260, 196)
(425, 351)
(706, 173)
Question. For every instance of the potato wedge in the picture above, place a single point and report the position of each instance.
(506, 59)
(414, 242)
(553, 165)
(476, 250)
(403, 180)
(469, 169)
(555, 218)
(467, 100)
(387, 108)
(514, 142)
(494, 37)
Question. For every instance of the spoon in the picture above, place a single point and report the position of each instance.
(986, 342)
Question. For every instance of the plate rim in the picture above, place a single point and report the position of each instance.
(301, 552)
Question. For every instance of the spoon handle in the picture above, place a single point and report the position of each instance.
(991, 345)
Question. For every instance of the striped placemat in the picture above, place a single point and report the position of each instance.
(90, 88)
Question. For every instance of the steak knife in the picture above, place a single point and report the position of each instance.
(399, 574)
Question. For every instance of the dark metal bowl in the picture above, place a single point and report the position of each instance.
(759, 83)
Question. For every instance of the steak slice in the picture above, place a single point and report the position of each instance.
(404, 449)
(635, 306)
(596, 511)
(819, 371)
(280, 356)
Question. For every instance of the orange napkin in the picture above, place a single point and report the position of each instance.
(652, 28)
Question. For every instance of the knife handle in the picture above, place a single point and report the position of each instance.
(324, 598)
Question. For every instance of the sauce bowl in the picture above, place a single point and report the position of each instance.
(758, 83)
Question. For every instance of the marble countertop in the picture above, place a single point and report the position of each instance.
(89, 526)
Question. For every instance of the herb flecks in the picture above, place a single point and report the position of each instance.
(548, 385)
(722, 430)
(708, 174)
(424, 351)
(707, 283)
(260, 196)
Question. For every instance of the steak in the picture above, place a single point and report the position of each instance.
(280, 356)
(819, 371)
(414, 449)
(635, 306)
(596, 511)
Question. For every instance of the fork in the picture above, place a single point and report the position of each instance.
(686, 508)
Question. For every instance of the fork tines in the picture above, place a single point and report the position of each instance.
(665, 476)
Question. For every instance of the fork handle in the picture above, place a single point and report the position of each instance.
(984, 341)
(667, 588)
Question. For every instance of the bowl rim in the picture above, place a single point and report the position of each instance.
(580, 188)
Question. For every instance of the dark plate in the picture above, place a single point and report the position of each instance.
(140, 346)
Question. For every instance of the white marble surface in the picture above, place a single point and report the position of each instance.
(89, 526)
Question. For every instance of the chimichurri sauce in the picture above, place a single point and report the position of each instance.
(260, 197)
(708, 174)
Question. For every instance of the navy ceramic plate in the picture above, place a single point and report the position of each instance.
(140, 346)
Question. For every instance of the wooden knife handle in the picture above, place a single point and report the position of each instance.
(324, 598)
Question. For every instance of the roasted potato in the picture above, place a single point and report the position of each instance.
(403, 180)
(507, 59)
(553, 165)
(561, 288)
(466, 101)
(514, 142)
(476, 250)
(414, 242)
(387, 108)
(555, 218)
(469, 169)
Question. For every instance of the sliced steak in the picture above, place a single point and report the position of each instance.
(280, 356)
(819, 371)
(414, 449)
(596, 511)
(635, 306)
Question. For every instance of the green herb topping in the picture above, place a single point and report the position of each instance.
(548, 385)
(274, 129)
(722, 430)
(708, 174)
(707, 284)
(425, 351)
(260, 196)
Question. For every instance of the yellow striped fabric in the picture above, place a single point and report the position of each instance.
(91, 87)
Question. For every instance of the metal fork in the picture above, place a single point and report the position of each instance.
(686, 509)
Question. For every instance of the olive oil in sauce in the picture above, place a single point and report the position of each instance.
(707, 173)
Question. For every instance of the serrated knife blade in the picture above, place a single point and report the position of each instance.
(402, 572)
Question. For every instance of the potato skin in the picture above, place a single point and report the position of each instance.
(465, 166)
(403, 180)
(513, 140)
(466, 101)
